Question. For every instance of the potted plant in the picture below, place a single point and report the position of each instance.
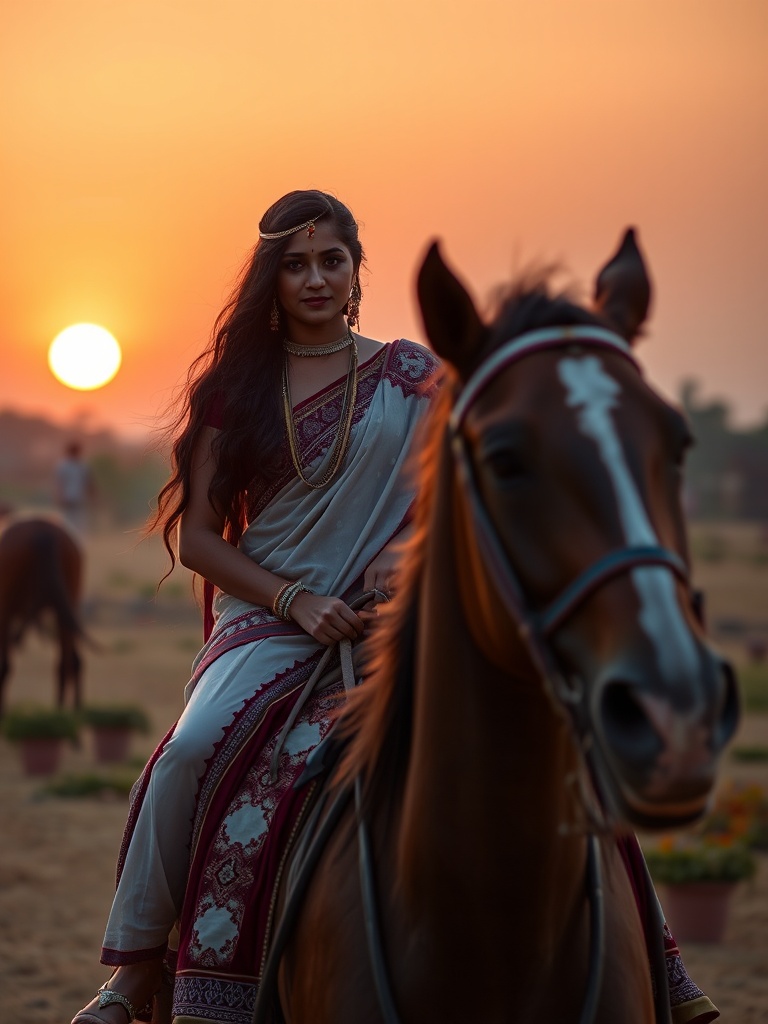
(40, 733)
(700, 871)
(112, 727)
(740, 811)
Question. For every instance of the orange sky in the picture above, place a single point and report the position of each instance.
(143, 139)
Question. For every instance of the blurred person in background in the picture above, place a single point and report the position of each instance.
(73, 488)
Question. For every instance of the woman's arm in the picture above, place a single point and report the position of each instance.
(202, 549)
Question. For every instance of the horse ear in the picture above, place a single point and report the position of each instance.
(452, 325)
(623, 288)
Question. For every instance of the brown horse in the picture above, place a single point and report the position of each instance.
(40, 571)
(542, 682)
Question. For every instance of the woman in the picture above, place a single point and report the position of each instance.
(289, 497)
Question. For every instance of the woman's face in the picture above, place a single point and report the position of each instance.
(315, 278)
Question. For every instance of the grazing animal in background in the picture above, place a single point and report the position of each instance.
(542, 681)
(41, 567)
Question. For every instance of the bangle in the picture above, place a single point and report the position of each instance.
(285, 598)
(288, 600)
(278, 596)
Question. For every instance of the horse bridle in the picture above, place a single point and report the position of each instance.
(537, 627)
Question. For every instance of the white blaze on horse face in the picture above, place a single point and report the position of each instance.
(593, 393)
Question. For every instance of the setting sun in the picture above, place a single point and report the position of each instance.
(84, 357)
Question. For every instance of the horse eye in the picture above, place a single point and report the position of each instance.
(505, 463)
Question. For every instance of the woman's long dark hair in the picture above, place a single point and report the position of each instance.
(238, 375)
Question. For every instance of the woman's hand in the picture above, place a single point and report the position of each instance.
(327, 619)
(381, 574)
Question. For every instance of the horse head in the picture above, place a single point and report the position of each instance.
(572, 541)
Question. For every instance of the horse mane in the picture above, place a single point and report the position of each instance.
(377, 718)
(530, 302)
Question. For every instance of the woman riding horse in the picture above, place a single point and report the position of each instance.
(291, 442)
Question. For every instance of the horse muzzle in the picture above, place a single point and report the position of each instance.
(655, 747)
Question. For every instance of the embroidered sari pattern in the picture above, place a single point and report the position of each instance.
(223, 941)
(315, 422)
(241, 730)
(412, 369)
(257, 624)
(402, 363)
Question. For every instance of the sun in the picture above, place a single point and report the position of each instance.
(84, 357)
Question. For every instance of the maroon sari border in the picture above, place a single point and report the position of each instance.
(118, 958)
(239, 631)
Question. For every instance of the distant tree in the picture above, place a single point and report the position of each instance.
(727, 469)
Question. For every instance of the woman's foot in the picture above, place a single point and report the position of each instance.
(126, 993)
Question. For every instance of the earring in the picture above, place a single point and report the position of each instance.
(353, 304)
(274, 316)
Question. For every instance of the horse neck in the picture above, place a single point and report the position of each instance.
(489, 760)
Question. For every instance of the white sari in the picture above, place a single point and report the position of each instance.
(253, 660)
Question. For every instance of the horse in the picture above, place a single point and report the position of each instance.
(542, 683)
(41, 566)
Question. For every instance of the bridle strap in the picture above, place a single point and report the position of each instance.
(535, 628)
(615, 563)
(527, 344)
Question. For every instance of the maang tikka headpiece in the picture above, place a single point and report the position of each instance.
(308, 224)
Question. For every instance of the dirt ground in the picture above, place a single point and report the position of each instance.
(57, 855)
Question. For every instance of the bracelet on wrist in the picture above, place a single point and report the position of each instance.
(285, 598)
(278, 598)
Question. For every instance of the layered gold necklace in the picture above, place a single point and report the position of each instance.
(344, 429)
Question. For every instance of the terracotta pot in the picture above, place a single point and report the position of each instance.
(40, 756)
(111, 744)
(698, 911)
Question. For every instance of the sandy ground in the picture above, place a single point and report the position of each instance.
(57, 856)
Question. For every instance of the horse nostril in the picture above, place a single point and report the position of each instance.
(626, 725)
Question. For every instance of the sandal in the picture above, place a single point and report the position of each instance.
(107, 996)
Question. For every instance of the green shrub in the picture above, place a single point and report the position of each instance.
(750, 753)
(701, 861)
(89, 785)
(31, 722)
(753, 685)
(116, 717)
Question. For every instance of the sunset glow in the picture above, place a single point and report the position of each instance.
(142, 142)
(84, 357)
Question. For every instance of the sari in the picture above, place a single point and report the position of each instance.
(244, 683)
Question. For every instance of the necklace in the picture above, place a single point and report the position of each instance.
(343, 431)
(318, 350)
